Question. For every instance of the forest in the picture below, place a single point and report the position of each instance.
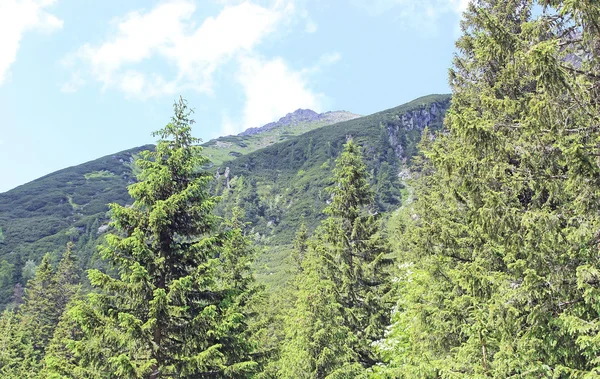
(482, 262)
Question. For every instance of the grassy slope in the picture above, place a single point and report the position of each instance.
(224, 149)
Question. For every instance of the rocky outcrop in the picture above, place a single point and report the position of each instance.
(409, 126)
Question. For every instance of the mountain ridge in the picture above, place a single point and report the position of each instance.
(302, 115)
(226, 148)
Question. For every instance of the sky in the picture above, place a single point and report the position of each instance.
(81, 79)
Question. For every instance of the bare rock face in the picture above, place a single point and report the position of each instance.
(415, 120)
(103, 229)
(226, 175)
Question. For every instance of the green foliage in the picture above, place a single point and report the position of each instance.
(291, 186)
(99, 175)
(342, 287)
(26, 332)
(46, 214)
(224, 149)
(29, 269)
(7, 273)
(180, 302)
(39, 310)
(17, 356)
(60, 362)
(502, 243)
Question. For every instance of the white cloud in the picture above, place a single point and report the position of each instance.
(75, 82)
(327, 60)
(168, 33)
(16, 18)
(272, 89)
(310, 26)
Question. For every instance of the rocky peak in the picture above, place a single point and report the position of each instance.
(302, 116)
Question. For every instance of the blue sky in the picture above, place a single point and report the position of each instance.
(80, 79)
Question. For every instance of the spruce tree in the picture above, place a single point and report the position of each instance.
(18, 358)
(66, 278)
(39, 311)
(342, 303)
(177, 308)
(300, 248)
(60, 360)
(356, 253)
(500, 278)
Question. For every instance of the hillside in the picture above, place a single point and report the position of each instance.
(45, 214)
(284, 183)
(227, 148)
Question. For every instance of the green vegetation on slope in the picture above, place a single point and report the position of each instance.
(282, 184)
(67, 205)
(224, 149)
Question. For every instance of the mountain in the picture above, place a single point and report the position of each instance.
(284, 184)
(227, 148)
(279, 186)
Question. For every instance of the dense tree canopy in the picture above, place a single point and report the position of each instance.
(341, 306)
(504, 243)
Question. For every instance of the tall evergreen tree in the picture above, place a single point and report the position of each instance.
(177, 307)
(60, 360)
(357, 253)
(26, 332)
(300, 248)
(341, 309)
(39, 311)
(66, 278)
(18, 358)
(505, 242)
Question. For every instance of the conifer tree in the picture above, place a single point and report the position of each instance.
(177, 308)
(300, 248)
(18, 358)
(60, 361)
(66, 279)
(26, 332)
(356, 253)
(341, 308)
(505, 241)
(39, 311)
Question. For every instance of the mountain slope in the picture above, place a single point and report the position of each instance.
(45, 214)
(285, 184)
(279, 187)
(227, 148)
